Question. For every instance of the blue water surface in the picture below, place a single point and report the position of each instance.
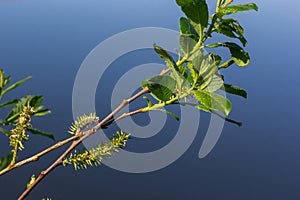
(260, 160)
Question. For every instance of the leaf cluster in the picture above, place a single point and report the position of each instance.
(17, 122)
(196, 74)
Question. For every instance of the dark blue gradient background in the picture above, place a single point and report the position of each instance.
(259, 161)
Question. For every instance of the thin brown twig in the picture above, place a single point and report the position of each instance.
(123, 116)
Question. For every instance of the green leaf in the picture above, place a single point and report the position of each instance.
(215, 84)
(6, 132)
(239, 56)
(195, 10)
(187, 29)
(42, 112)
(203, 108)
(193, 71)
(33, 101)
(213, 101)
(197, 59)
(162, 87)
(237, 8)
(183, 71)
(170, 64)
(13, 86)
(5, 161)
(235, 90)
(169, 113)
(9, 103)
(231, 28)
(1, 79)
(144, 83)
(216, 58)
(187, 44)
(166, 57)
(38, 132)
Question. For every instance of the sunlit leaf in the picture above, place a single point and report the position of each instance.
(187, 44)
(231, 28)
(239, 56)
(162, 87)
(13, 86)
(213, 101)
(237, 8)
(42, 112)
(215, 84)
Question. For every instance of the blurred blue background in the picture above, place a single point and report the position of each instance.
(260, 160)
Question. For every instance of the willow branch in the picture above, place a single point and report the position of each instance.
(75, 143)
(37, 156)
(86, 134)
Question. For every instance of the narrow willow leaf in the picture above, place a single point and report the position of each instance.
(42, 112)
(195, 10)
(162, 87)
(36, 101)
(213, 101)
(1, 79)
(235, 90)
(6, 132)
(239, 56)
(9, 103)
(39, 132)
(13, 86)
(169, 113)
(5, 161)
(237, 8)
(32, 101)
